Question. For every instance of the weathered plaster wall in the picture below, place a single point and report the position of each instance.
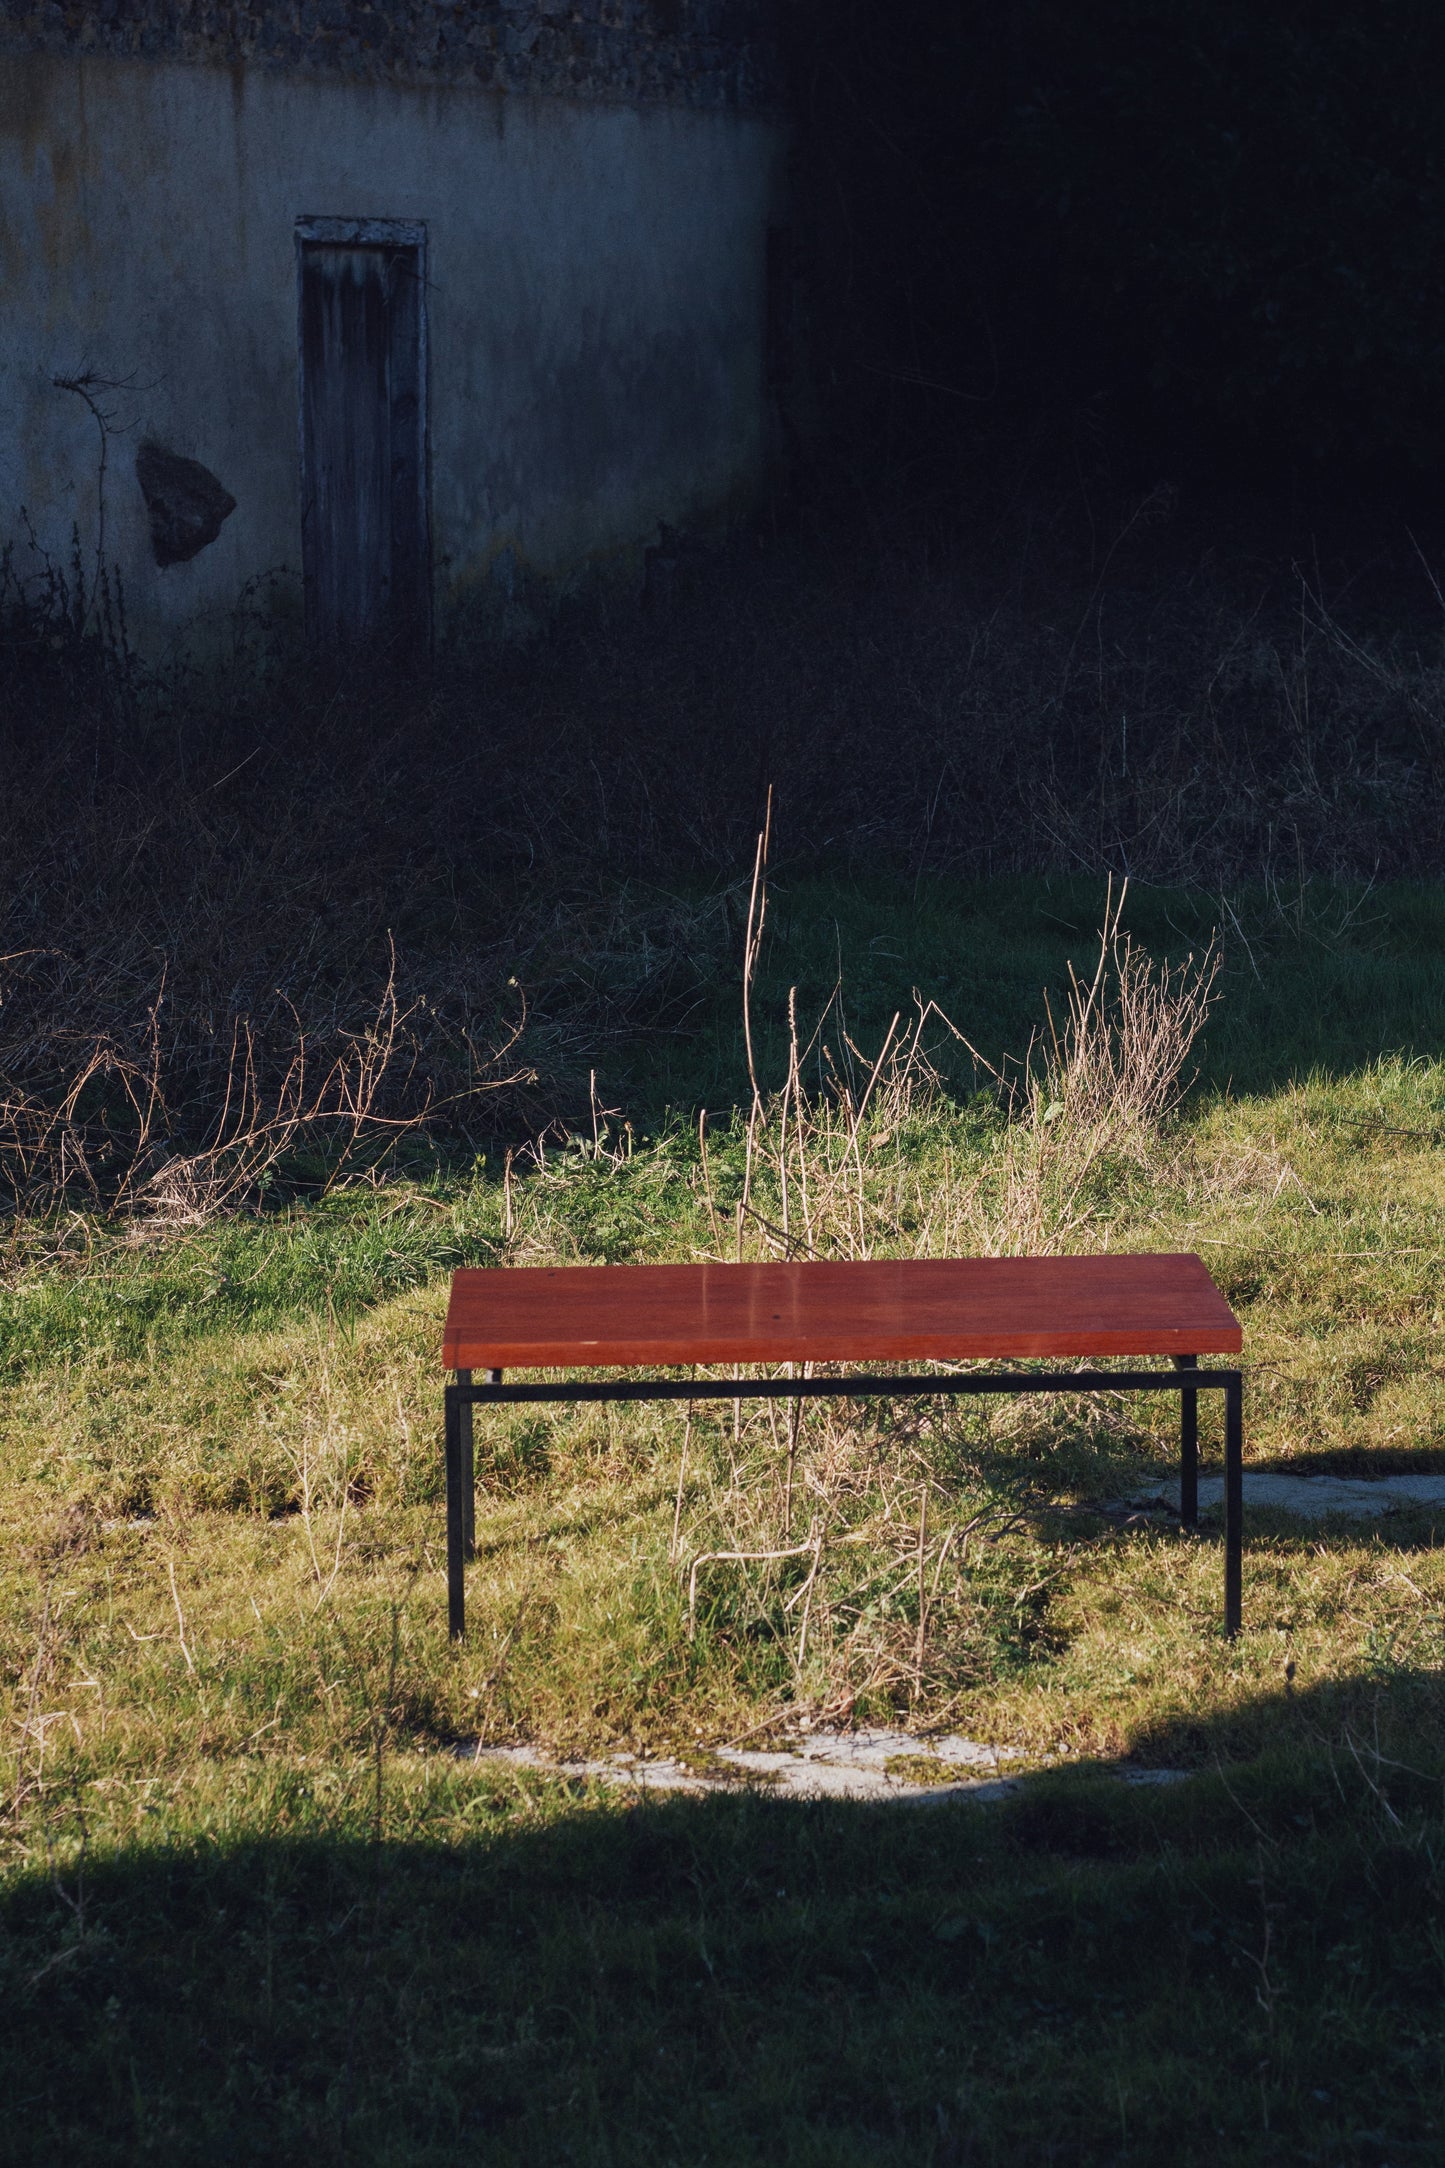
(596, 276)
(690, 52)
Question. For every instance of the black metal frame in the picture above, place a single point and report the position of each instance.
(1187, 1379)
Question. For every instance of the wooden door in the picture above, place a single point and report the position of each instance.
(364, 531)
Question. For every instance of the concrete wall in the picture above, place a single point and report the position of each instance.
(595, 306)
(690, 52)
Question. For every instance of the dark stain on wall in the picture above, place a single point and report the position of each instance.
(719, 53)
(186, 503)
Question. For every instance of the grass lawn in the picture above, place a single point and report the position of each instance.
(255, 1904)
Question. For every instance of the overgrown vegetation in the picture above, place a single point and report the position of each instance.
(238, 1805)
(309, 993)
(254, 930)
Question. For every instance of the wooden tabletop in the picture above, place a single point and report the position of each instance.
(913, 1310)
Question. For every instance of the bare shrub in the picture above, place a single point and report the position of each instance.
(117, 1130)
(1101, 1084)
(1119, 1061)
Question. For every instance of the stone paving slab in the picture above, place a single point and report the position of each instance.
(876, 1765)
(1309, 1495)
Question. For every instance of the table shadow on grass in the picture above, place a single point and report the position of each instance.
(1246, 1966)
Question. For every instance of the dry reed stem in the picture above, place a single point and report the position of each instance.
(180, 1616)
(736, 1558)
(752, 945)
(681, 1480)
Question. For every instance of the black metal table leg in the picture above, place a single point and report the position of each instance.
(1188, 1447)
(468, 1476)
(456, 1518)
(1233, 1503)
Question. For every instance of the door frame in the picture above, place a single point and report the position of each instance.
(398, 233)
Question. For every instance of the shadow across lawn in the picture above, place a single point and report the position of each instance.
(1323, 986)
(1245, 1966)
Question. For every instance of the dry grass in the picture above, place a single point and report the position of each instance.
(115, 1134)
(209, 887)
(1099, 1086)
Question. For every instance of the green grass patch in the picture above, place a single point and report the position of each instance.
(1326, 978)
